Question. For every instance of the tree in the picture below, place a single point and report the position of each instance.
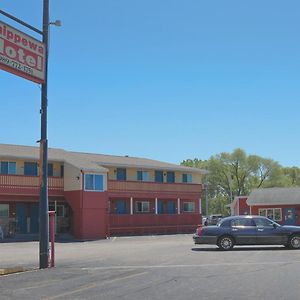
(236, 174)
(292, 176)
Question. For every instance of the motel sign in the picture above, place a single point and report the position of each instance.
(21, 54)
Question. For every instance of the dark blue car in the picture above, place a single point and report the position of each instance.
(248, 230)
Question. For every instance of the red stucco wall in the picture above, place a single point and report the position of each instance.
(89, 220)
(74, 200)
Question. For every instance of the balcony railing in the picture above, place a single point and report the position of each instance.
(114, 185)
(20, 184)
(149, 223)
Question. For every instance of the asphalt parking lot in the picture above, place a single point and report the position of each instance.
(151, 267)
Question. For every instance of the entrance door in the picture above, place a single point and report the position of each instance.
(289, 216)
(121, 207)
(21, 217)
(171, 207)
(34, 218)
(160, 207)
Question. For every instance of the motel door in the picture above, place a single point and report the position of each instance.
(171, 207)
(34, 218)
(21, 218)
(121, 207)
(289, 216)
(160, 207)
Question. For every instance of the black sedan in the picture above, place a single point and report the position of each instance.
(248, 230)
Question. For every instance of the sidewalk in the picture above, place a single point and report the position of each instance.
(21, 253)
(18, 256)
(6, 271)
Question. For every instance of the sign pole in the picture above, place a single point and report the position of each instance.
(13, 44)
(44, 218)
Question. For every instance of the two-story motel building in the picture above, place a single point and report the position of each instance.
(97, 195)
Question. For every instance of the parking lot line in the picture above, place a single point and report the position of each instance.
(92, 285)
(217, 265)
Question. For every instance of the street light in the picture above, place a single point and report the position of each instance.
(56, 23)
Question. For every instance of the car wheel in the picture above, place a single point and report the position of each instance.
(294, 242)
(225, 243)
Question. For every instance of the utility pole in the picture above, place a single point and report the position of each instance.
(44, 218)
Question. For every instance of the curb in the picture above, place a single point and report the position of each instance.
(6, 271)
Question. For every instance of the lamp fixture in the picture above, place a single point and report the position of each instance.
(56, 23)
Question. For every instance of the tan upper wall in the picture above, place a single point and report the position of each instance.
(20, 165)
(131, 175)
(72, 173)
(72, 178)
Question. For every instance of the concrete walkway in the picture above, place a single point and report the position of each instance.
(21, 253)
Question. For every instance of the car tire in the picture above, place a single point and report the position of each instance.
(294, 242)
(225, 242)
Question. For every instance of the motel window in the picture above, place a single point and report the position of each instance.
(187, 178)
(121, 174)
(50, 170)
(30, 168)
(271, 213)
(188, 206)
(60, 209)
(61, 171)
(8, 167)
(93, 182)
(159, 176)
(142, 206)
(142, 175)
(4, 210)
(170, 177)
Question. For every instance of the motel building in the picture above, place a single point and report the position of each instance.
(279, 204)
(96, 196)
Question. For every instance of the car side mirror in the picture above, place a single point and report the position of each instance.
(274, 225)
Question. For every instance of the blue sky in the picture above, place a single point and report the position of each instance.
(167, 80)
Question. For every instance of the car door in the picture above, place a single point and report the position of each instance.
(244, 231)
(268, 233)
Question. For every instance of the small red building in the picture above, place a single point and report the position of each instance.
(239, 206)
(96, 195)
(280, 204)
